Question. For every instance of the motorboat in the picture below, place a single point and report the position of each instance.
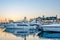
(50, 31)
(22, 28)
(51, 28)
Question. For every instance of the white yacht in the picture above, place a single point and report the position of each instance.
(22, 28)
(51, 27)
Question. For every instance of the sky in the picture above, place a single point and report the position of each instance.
(29, 8)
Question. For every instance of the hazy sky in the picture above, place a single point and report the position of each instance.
(29, 8)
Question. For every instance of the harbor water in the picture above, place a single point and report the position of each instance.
(42, 36)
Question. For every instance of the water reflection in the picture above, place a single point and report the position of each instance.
(49, 35)
(42, 36)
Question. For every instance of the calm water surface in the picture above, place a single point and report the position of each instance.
(9, 36)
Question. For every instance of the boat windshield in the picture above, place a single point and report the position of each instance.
(34, 25)
(22, 25)
(10, 25)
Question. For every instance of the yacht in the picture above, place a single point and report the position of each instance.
(51, 28)
(50, 31)
(22, 28)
